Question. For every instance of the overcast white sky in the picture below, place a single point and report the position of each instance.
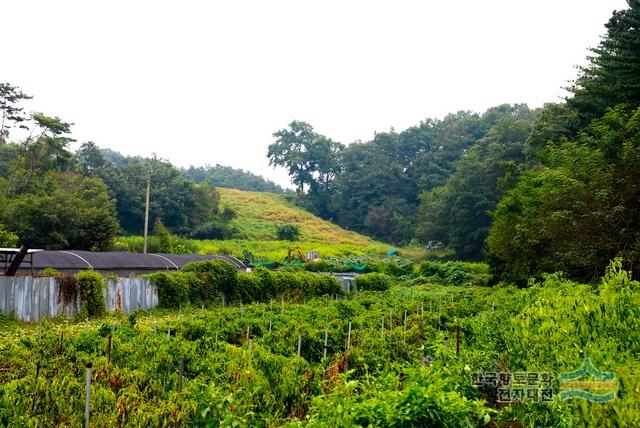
(209, 81)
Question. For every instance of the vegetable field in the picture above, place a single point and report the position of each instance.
(402, 357)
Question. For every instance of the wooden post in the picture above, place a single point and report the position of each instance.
(180, 373)
(299, 344)
(87, 395)
(404, 329)
(109, 349)
(326, 340)
(349, 337)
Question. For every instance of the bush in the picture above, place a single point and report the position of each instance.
(373, 282)
(89, 286)
(457, 273)
(288, 232)
(173, 290)
(217, 275)
(8, 239)
(213, 229)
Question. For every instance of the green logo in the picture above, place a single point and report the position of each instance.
(598, 386)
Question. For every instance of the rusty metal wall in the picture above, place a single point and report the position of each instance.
(29, 298)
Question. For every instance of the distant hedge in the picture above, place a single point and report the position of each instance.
(373, 282)
(205, 283)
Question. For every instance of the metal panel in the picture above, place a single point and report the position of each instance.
(33, 298)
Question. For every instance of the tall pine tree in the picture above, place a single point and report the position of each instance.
(613, 74)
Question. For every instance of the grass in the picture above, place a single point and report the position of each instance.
(258, 215)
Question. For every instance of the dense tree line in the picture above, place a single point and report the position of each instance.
(53, 198)
(382, 186)
(226, 176)
(551, 189)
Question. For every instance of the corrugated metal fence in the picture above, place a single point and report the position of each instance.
(31, 298)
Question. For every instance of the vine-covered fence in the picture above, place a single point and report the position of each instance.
(31, 298)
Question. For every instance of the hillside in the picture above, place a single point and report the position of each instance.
(259, 213)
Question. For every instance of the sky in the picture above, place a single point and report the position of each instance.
(207, 82)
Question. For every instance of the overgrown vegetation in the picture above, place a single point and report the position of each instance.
(217, 283)
(241, 365)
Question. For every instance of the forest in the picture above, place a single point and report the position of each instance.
(527, 190)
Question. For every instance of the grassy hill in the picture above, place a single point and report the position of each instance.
(260, 213)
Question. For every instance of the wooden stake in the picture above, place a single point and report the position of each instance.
(109, 349)
(299, 344)
(87, 395)
(404, 331)
(326, 340)
(180, 373)
(349, 337)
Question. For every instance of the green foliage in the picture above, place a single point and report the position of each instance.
(89, 286)
(65, 211)
(383, 379)
(458, 213)
(205, 283)
(612, 76)
(310, 158)
(173, 289)
(455, 273)
(373, 282)
(215, 275)
(288, 232)
(225, 176)
(8, 239)
(577, 214)
(49, 272)
(213, 229)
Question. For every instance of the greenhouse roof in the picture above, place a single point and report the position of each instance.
(117, 261)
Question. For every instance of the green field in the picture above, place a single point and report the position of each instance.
(241, 366)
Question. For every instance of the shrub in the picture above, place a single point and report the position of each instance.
(49, 272)
(8, 239)
(89, 285)
(213, 229)
(456, 273)
(268, 282)
(373, 282)
(217, 275)
(250, 288)
(288, 232)
(172, 291)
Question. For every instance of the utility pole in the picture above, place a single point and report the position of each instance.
(146, 216)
